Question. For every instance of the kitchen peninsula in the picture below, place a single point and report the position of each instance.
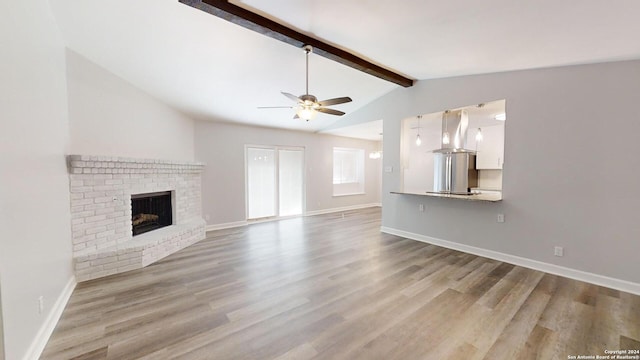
(492, 196)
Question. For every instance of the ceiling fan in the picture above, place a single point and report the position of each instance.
(307, 106)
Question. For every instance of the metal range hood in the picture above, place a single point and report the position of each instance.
(451, 161)
(454, 126)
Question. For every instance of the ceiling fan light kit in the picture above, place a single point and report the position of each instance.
(307, 106)
(306, 113)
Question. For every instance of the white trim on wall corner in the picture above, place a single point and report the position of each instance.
(235, 224)
(1, 328)
(338, 209)
(43, 335)
(228, 225)
(622, 285)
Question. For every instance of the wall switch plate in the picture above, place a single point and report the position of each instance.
(421, 207)
(388, 169)
(558, 251)
(40, 304)
(500, 218)
(207, 217)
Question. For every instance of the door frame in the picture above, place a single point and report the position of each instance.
(276, 199)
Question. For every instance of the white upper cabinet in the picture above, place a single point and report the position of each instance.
(491, 148)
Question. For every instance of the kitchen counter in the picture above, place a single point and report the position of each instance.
(492, 196)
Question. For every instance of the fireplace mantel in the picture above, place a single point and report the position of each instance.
(100, 190)
(90, 164)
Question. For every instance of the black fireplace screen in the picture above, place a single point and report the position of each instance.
(150, 211)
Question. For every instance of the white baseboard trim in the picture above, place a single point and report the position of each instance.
(307, 213)
(339, 209)
(228, 225)
(622, 285)
(43, 335)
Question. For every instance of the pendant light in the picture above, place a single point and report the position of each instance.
(376, 154)
(418, 140)
(445, 134)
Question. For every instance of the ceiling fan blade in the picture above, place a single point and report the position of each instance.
(291, 96)
(336, 101)
(330, 111)
(275, 107)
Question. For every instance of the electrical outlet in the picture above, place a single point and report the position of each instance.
(388, 169)
(500, 218)
(421, 207)
(40, 304)
(558, 251)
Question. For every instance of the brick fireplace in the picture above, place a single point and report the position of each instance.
(102, 190)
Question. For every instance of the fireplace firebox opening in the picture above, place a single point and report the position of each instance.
(150, 211)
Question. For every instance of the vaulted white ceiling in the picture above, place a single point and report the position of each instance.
(214, 70)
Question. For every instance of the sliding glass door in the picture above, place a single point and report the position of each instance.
(274, 182)
(290, 182)
(261, 182)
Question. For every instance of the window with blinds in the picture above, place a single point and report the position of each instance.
(348, 171)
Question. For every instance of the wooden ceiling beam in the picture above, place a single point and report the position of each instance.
(260, 24)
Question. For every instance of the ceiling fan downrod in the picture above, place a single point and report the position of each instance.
(307, 49)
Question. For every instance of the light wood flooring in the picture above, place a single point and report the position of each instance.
(334, 287)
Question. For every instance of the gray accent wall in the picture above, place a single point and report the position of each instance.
(571, 170)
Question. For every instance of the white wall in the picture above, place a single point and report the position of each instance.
(35, 247)
(490, 179)
(570, 173)
(221, 147)
(109, 116)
